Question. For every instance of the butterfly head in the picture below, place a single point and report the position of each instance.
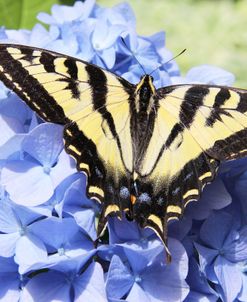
(147, 82)
(145, 91)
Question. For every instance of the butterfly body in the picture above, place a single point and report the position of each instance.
(146, 152)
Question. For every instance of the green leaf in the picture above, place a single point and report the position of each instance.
(22, 13)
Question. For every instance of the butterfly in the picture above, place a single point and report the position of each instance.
(146, 152)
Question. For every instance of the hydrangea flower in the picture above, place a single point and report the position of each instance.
(47, 224)
(223, 254)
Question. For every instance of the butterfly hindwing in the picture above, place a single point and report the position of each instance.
(89, 101)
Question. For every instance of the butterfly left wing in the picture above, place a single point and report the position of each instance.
(215, 116)
(196, 127)
(93, 104)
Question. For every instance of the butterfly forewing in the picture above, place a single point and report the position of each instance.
(92, 103)
(218, 118)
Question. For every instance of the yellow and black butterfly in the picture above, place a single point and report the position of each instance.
(146, 152)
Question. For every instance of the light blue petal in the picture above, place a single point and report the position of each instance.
(45, 18)
(13, 107)
(9, 289)
(214, 197)
(106, 252)
(200, 290)
(29, 251)
(206, 255)
(119, 279)
(162, 281)
(130, 45)
(65, 167)
(241, 185)
(40, 37)
(137, 293)
(2, 33)
(18, 36)
(44, 143)
(86, 220)
(3, 92)
(211, 75)
(12, 147)
(121, 13)
(71, 261)
(25, 215)
(112, 35)
(9, 221)
(108, 56)
(200, 297)
(121, 231)
(141, 253)
(54, 231)
(158, 42)
(164, 285)
(58, 200)
(235, 245)
(90, 285)
(226, 272)
(133, 75)
(9, 128)
(47, 286)
(64, 13)
(215, 229)
(243, 294)
(19, 176)
(8, 244)
(178, 267)
(178, 229)
(7, 265)
(67, 42)
(99, 34)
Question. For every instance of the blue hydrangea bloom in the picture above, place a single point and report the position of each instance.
(223, 252)
(48, 225)
(144, 276)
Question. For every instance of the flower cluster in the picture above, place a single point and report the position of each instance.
(47, 224)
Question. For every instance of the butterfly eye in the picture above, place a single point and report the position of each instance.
(152, 79)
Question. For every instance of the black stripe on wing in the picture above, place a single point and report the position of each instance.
(17, 78)
(192, 101)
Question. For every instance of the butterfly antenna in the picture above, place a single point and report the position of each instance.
(181, 52)
(133, 55)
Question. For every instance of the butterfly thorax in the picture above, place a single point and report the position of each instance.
(143, 117)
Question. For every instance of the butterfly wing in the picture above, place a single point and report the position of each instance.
(196, 127)
(93, 104)
(215, 116)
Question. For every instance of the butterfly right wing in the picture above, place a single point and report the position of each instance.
(93, 104)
